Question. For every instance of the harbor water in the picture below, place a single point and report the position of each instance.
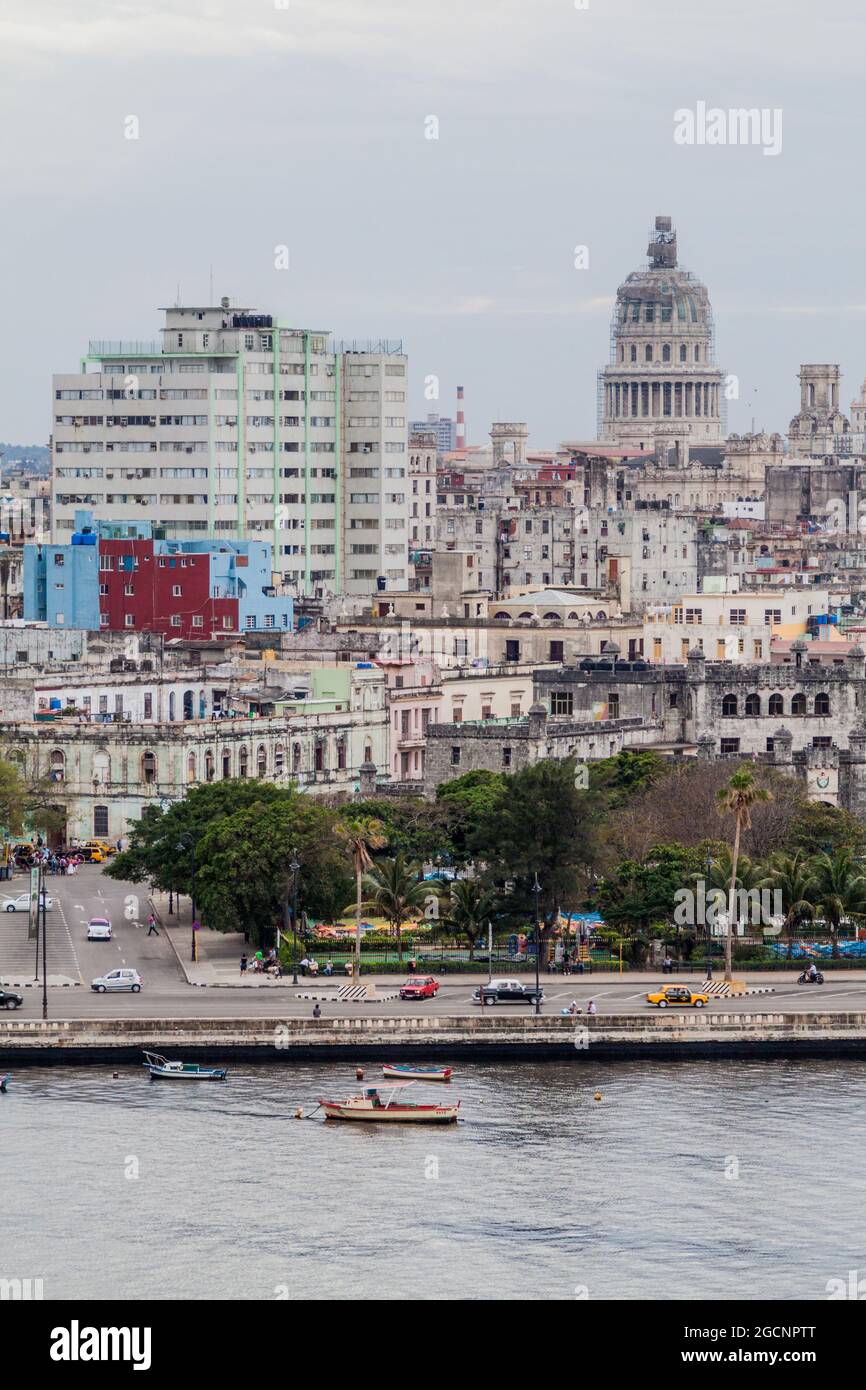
(739, 1179)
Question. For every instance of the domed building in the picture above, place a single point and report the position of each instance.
(662, 380)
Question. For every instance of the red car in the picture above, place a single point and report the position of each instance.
(419, 987)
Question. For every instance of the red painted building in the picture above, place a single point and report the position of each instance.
(144, 591)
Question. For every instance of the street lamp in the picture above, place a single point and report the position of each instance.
(707, 921)
(42, 906)
(295, 869)
(187, 841)
(536, 889)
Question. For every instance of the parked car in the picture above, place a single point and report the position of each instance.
(99, 929)
(679, 996)
(8, 1000)
(419, 987)
(101, 846)
(21, 903)
(507, 992)
(118, 979)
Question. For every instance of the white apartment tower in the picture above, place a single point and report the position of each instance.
(236, 425)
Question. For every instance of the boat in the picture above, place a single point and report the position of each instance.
(383, 1105)
(406, 1072)
(182, 1071)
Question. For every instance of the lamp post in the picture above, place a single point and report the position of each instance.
(44, 941)
(187, 841)
(295, 870)
(536, 889)
(707, 921)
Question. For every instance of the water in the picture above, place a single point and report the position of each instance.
(542, 1193)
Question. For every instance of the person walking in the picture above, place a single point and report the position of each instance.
(151, 926)
(244, 964)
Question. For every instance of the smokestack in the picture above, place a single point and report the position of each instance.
(461, 422)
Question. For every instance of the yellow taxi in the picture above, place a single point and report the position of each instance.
(678, 996)
(99, 846)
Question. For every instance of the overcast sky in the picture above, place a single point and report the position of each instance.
(264, 123)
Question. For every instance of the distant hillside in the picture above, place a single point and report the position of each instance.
(15, 453)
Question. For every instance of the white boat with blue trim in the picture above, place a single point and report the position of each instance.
(159, 1066)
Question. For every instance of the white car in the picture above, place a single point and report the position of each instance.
(22, 903)
(99, 929)
(118, 979)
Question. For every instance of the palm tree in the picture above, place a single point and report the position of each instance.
(397, 894)
(841, 890)
(737, 798)
(793, 876)
(470, 908)
(361, 835)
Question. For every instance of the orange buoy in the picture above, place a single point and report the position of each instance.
(359, 1073)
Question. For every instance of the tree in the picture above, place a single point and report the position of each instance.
(792, 876)
(471, 906)
(361, 834)
(737, 798)
(821, 829)
(395, 893)
(25, 803)
(468, 802)
(639, 893)
(537, 822)
(840, 887)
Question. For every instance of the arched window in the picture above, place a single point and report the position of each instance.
(279, 760)
(188, 704)
(171, 705)
(148, 767)
(341, 754)
(261, 761)
(202, 704)
(190, 768)
(500, 616)
(102, 768)
(296, 757)
(798, 704)
(243, 761)
(666, 353)
(633, 353)
(729, 706)
(822, 703)
(683, 352)
(775, 706)
(58, 765)
(368, 752)
(226, 763)
(697, 354)
(753, 704)
(208, 765)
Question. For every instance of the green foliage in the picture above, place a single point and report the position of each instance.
(469, 907)
(395, 892)
(818, 829)
(617, 779)
(642, 892)
(25, 804)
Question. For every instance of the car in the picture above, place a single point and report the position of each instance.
(8, 1000)
(99, 929)
(507, 992)
(419, 987)
(21, 903)
(678, 996)
(100, 846)
(118, 979)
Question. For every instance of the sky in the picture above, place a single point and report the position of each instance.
(306, 124)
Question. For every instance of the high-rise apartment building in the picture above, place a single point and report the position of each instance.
(236, 425)
(444, 429)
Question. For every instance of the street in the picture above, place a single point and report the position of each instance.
(166, 994)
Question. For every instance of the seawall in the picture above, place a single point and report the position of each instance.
(663, 1036)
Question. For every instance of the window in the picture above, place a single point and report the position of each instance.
(822, 703)
(100, 820)
(694, 615)
(557, 651)
(148, 767)
(613, 706)
(730, 745)
(737, 617)
(512, 650)
(822, 741)
(506, 757)
(776, 707)
(148, 705)
(729, 706)
(176, 591)
(772, 615)
(455, 756)
(753, 705)
(798, 704)
(561, 702)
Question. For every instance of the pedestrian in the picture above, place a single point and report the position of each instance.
(244, 964)
(119, 845)
(151, 926)
(317, 1012)
(590, 1008)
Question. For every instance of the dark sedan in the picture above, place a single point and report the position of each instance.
(507, 992)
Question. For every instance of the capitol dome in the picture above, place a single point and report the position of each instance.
(662, 370)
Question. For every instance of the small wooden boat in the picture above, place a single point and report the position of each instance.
(182, 1071)
(383, 1105)
(406, 1072)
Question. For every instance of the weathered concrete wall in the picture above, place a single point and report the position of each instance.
(660, 1036)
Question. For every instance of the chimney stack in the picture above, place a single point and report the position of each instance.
(461, 422)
